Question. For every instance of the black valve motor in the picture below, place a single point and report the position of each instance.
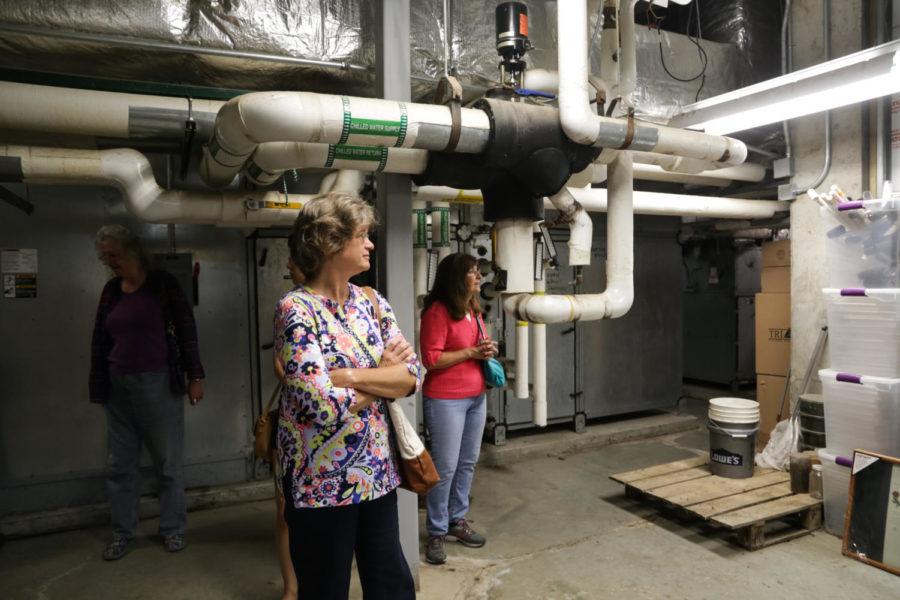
(512, 41)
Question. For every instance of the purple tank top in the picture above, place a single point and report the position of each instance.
(138, 331)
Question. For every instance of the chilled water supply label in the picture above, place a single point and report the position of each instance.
(19, 267)
(724, 457)
(357, 125)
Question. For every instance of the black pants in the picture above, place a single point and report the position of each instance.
(323, 541)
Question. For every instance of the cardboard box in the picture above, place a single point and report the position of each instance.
(776, 280)
(773, 333)
(776, 254)
(769, 389)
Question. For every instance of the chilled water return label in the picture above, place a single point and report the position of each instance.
(373, 127)
(724, 457)
(361, 153)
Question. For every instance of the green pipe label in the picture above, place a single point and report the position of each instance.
(364, 153)
(373, 127)
(421, 240)
(445, 227)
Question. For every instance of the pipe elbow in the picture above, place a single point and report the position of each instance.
(620, 297)
(575, 117)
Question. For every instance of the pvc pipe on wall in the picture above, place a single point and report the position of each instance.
(539, 362)
(130, 172)
(515, 249)
(246, 121)
(580, 227)
(583, 126)
(645, 203)
(616, 300)
(521, 383)
(272, 159)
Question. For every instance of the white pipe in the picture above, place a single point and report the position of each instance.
(580, 227)
(252, 119)
(645, 203)
(521, 383)
(420, 248)
(130, 172)
(539, 362)
(25, 107)
(616, 300)
(514, 252)
(542, 80)
(327, 183)
(272, 159)
(349, 181)
(440, 229)
(581, 125)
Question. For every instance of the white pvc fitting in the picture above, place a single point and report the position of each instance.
(515, 254)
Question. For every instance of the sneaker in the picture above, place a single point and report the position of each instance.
(434, 550)
(174, 542)
(465, 535)
(117, 548)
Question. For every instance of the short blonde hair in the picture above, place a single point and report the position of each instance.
(324, 226)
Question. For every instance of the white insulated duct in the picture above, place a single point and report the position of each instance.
(581, 227)
(583, 126)
(252, 119)
(645, 203)
(129, 171)
(272, 159)
(616, 300)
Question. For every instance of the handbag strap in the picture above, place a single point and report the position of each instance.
(276, 394)
(480, 330)
(370, 294)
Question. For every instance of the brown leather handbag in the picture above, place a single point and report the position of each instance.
(265, 427)
(417, 471)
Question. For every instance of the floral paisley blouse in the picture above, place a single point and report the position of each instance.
(328, 455)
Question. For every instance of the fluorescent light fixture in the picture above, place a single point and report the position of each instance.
(862, 76)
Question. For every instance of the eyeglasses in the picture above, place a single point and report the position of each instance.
(474, 271)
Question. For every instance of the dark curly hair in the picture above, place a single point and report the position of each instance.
(324, 226)
(450, 286)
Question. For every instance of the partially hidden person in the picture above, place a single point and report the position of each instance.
(144, 359)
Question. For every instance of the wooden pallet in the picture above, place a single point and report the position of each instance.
(760, 510)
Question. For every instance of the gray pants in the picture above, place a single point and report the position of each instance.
(142, 408)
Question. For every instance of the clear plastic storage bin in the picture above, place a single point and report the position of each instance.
(862, 243)
(835, 491)
(864, 331)
(861, 412)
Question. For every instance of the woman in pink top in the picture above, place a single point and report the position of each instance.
(454, 400)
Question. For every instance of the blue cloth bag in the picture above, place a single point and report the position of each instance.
(494, 373)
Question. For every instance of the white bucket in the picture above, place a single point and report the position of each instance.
(733, 410)
(733, 423)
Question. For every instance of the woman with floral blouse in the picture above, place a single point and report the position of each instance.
(338, 470)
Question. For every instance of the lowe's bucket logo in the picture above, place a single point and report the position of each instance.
(724, 457)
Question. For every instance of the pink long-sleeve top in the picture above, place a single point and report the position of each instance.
(440, 333)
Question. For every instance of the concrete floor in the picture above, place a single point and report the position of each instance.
(558, 529)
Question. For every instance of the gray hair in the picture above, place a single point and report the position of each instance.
(127, 241)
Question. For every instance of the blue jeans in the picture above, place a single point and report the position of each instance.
(142, 409)
(456, 428)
